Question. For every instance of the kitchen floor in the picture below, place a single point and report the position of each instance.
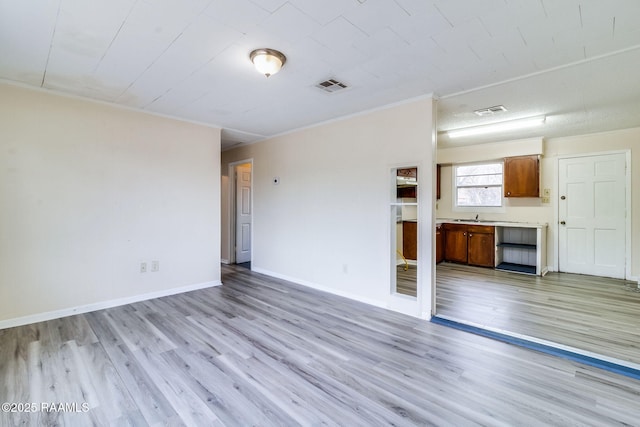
(406, 280)
(596, 314)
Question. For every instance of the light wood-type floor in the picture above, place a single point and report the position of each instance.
(596, 314)
(406, 280)
(260, 351)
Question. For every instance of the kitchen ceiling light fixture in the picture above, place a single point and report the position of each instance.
(268, 61)
(497, 127)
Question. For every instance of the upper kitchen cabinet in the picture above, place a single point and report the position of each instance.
(407, 182)
(522, 176)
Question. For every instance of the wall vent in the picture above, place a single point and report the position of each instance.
(331, 85)
(490, 111)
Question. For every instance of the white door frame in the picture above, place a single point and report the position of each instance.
(421, 305)
(233, 207)
(556, 215)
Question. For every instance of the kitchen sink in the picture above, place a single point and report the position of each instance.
(472, 220)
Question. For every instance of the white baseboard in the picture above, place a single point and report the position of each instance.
(225, 261)
(56, 314)
(629, 278)
(376, 303)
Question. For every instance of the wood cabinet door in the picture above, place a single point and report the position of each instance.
(482, 249)
(455, 243)
(406, 192)
(410, 240)
(522, 176)
(439, 245)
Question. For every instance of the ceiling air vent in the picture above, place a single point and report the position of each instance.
(331, 86)
(490, 111)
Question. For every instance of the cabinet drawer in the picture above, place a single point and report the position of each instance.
(451, 227)
(487, 229)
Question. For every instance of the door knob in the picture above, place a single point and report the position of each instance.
(562, 222)
(562, 198)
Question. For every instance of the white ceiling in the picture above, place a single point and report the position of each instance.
(575, 60)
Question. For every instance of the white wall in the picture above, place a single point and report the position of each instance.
(88, 191)
(327, 224)
(532, 210)
(525, 210)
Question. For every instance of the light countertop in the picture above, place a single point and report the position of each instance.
(490, 223)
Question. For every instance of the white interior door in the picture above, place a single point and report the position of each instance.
(243, 213)
(592, 214)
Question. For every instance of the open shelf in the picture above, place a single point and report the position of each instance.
(518, 268)
(517, 245)
(518, 249)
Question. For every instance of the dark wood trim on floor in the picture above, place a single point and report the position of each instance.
(596, 314)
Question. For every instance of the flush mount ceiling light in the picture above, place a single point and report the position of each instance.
(497, 127)
(268, 61)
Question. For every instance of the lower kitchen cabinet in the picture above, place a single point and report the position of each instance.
(410, 239)
(455, 243)
(469, 244)
(516, 247)
(439, 244)
(481, 245)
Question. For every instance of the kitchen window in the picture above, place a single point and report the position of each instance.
(478, 185)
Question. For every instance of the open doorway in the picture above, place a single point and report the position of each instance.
(584, 303)
(241, 195)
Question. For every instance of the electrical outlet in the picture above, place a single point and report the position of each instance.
(143, 267)
(545, 199)
(155, 265)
